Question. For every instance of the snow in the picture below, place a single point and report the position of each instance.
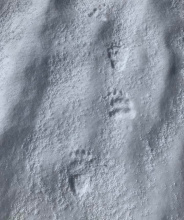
(91, 120)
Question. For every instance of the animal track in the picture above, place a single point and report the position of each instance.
(121, 106)
(118, 56)
(79, 170)
(102, 12)
(112, 52)
(92, 13)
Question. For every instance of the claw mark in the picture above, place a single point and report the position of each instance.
(121, 106)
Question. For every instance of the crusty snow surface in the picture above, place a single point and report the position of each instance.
(91, 109)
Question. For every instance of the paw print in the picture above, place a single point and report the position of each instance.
(121, 106)
(118, 56)
(103, 12)
(93, 12)
(79, 170)
(80, 160)
(112, 52)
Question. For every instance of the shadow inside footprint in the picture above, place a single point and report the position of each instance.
(114, 112)
(71, 182)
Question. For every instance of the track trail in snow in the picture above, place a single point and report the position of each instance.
(92, 128)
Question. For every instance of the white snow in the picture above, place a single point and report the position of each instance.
(91, 114)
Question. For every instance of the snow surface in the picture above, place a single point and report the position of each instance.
(92, 111)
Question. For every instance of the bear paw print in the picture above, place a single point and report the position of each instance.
(121, 106)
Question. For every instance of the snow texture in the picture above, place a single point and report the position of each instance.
(92, 111)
